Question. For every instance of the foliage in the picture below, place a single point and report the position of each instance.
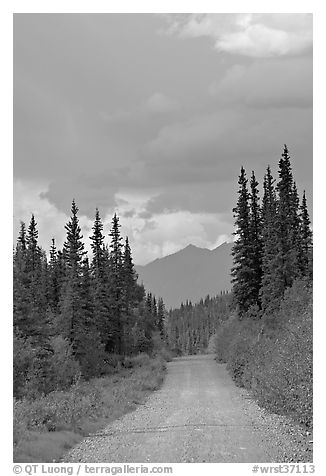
(190, 327)
(77, 316)
(273, 241)
(63, 417)
(273, 356)
(242, 247)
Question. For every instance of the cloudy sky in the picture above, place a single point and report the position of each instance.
(152, 116)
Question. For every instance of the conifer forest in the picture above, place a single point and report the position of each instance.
(75, 312)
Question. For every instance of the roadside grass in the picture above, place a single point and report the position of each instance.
(46, 428)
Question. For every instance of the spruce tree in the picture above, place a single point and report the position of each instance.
(70, 302)
(128, 296)
(97, 246)
(116, 282)
(154, 310)
(100, 280)
(160, 316)
(21, 241)
(21, 298)
(89, 348)
(36, 268)
(286, 259)
(281, 236)
(295, 238)
(255, 244)
(306, 239)
(241, 271)
(147, 324)
(269, 292)
(129, 278)
(53, 253)
(53, 278)
(73, 246)
(33, 251)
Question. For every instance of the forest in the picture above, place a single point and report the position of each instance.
(77, 314)
(191, 327)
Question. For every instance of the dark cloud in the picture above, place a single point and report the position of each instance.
(145, 214)
(110, 112)
(87, 198)
(129, 213)
(268, 83)
(198, 198)
(212, 147)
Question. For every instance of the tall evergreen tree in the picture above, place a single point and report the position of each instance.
(21, 241)
(287, 267)
(30, 288)
(74, 246)
(89, 347)
(255, 244)
(116, 283)
(282, 242)
(160, 316)
(129, 278)
(33, 254)
(268, 291)
(241, 271)
(101, 277)
(70, 302)
(36, 267)
(21, 300)
(306, 239)
(154, 310)
(54, 278)
(97, 245)
(295, 233)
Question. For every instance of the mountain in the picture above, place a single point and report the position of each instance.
(191, 274)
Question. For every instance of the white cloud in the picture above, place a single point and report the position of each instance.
(167, 232)
(249, 34)
(28, 200)
(171, 232)
(158, 236)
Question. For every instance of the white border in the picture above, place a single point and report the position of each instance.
(100, 6)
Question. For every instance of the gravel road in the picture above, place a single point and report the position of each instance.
(198, 415)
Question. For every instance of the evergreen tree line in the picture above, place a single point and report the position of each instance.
(273, 245)
(190, 328)
(77, 313)
(272, 249)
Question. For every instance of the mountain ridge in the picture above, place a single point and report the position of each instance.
(188, 274)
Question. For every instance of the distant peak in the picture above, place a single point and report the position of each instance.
(192, 247)
(222, 245)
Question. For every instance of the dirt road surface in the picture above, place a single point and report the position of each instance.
(198, 415)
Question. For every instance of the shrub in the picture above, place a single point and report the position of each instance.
(87, 406)
(62, 358)
(139, 360)
(272, 356)
(165, 354)
(24, 356)
(224, 337)
(112, 364)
